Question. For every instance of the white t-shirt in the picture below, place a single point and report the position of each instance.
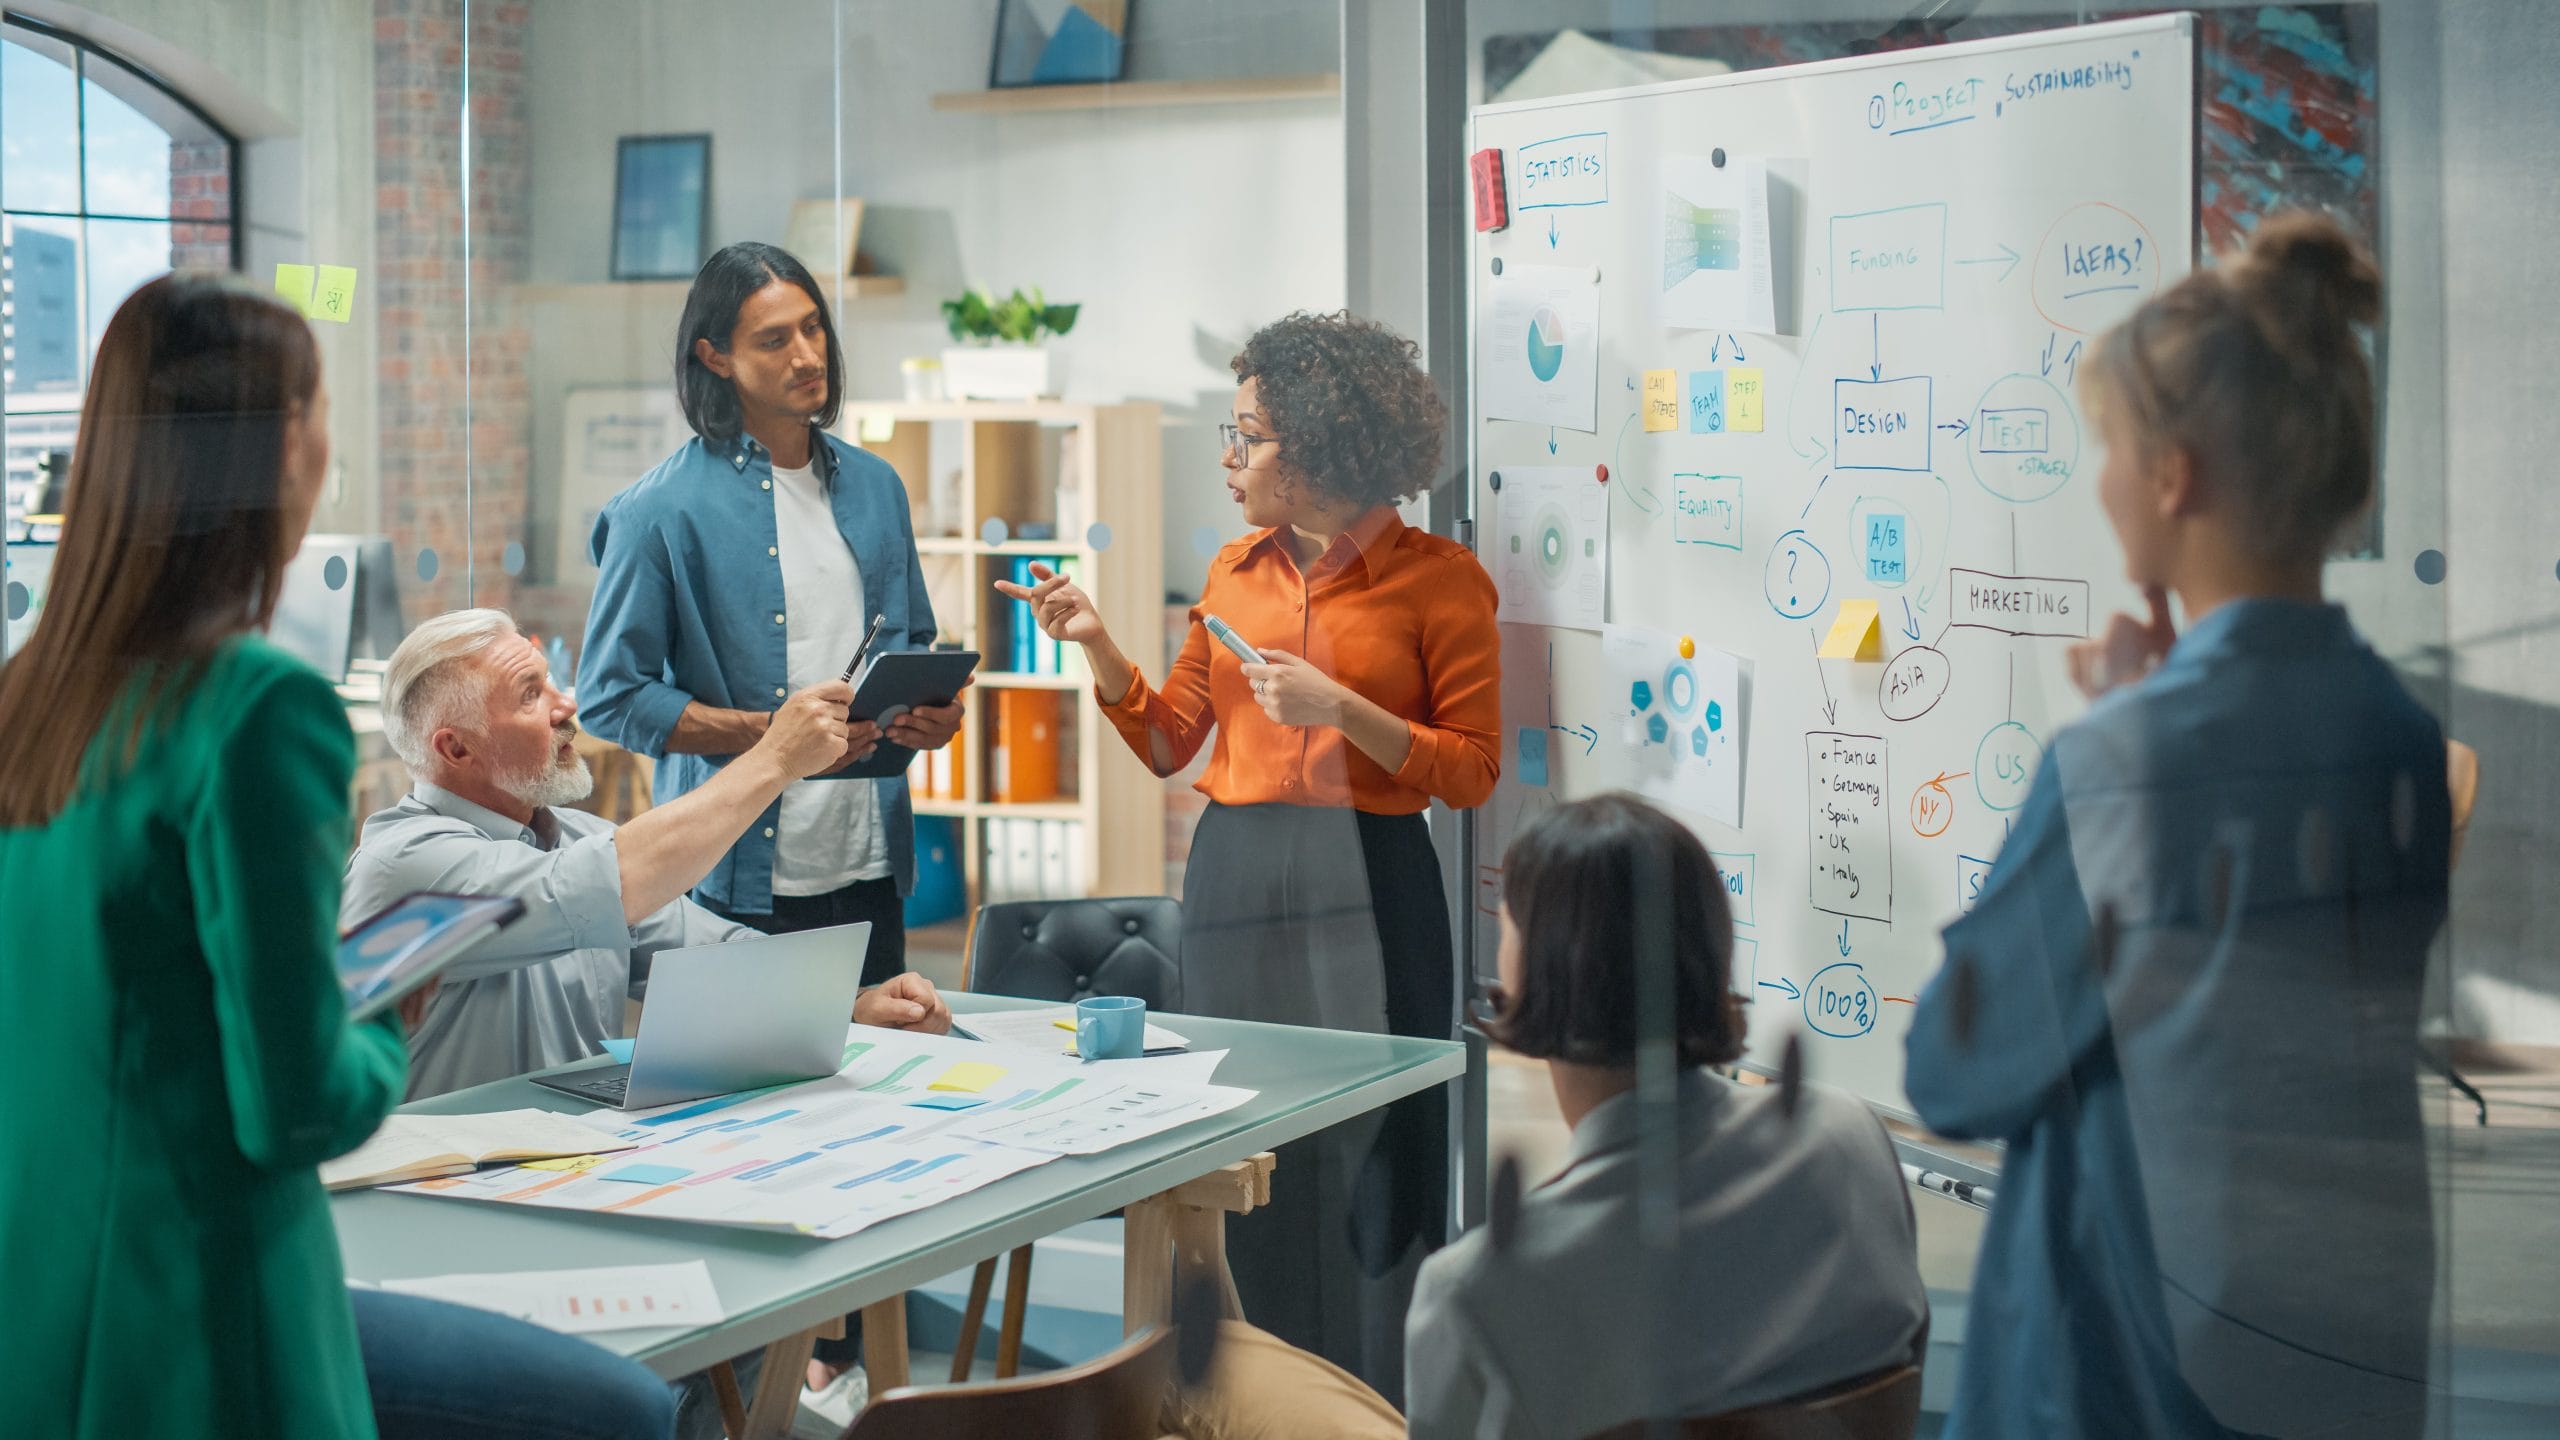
(830, 834)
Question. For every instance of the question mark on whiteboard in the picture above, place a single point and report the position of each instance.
(1792, 557)
(2137, 252)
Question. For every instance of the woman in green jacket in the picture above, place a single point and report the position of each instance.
(175, 1056)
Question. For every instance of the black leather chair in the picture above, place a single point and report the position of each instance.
(1063, 950)
(1070, 949)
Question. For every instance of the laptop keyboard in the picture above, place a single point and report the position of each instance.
(610, 1088)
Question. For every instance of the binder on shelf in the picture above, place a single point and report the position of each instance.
(995, 871)
(1026, 755)
(1026, 632)
(1055, 882)
(1022, 858)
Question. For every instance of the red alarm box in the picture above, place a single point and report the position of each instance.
(1493, 212)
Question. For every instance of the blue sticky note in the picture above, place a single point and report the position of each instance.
(648, 1174)
(1533, 757)
(1706, 402)
(947, 1102)
(1886, 552)
(620, 1050)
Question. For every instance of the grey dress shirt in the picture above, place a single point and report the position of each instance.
(1797, 1268)
(546, 990)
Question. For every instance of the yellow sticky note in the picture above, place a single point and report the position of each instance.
(1742, 400)
(1857, 635)
(565, 1162)
(1661, 400)
(969, 1077)
(295, 283)
(333, 296)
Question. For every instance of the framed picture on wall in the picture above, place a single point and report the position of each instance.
(1059, 42)
(661, 206)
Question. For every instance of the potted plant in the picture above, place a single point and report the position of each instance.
(1000, 356)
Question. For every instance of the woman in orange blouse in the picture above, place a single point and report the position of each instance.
(1313, 895)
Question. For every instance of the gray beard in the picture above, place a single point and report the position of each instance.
(557, 785)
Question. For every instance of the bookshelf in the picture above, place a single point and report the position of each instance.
(965, 463)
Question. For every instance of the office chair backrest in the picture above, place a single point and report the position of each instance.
(1881, 1406)
(1070, 949)
(1119, 1396)
(2462, 785)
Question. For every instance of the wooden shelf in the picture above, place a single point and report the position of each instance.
(962, 545)
(1138, 94)
(1045, 412)
(858, 287)
(993, 810)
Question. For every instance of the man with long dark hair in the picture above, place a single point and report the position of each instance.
(746, 568)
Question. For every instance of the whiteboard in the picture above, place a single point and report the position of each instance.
(611, 435)
(1947, 232)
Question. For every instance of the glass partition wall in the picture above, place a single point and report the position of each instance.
(497, 209)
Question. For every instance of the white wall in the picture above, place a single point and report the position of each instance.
(1178, 229)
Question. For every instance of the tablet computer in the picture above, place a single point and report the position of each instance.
(384, 959)
(890, 685)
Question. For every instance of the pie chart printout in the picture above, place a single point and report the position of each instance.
(1546, 344)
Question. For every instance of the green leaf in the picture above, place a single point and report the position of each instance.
(1060, 318)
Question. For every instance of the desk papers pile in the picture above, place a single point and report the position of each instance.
(910, 1120)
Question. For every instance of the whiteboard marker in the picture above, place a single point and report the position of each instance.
(1948, 1185)
(1224, 634)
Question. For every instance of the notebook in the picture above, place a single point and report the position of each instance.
(421, 1147)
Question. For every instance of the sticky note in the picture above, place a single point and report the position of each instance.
(333, 295)
(1743, 398)
(947, 1102)
(1533, 756)
(969, 1077)
(1857, 635)
(565, 1162)
(295, 284)
(648, 1174)
(877, 429)
(1706, 402)
(1661, 400)
(1887, 551)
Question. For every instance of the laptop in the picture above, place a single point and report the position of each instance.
(736, 1016)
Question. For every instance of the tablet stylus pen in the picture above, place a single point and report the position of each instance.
(859, 655)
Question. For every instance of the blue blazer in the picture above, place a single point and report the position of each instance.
(688, 606)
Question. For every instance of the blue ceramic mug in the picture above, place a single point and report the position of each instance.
(1111, 1027)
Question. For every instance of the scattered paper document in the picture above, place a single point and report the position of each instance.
(583, 1302)
(1037, 1029)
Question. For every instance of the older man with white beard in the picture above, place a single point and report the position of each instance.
(469, 705)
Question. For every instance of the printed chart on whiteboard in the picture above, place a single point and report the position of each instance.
(1784, 475)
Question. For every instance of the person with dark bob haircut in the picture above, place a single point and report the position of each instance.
(1313, 894)
(743, 570)
(1796, 1268)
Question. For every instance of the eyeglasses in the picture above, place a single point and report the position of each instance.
(1232, 441)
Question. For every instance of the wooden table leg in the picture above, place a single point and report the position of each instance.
(778, 1387)
(884, 1344)
(733, 1403)
(1189, 1220)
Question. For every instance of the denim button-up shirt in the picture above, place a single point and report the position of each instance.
(688, 606)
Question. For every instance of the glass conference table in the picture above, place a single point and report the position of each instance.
(782, 1291)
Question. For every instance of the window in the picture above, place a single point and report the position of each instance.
(107, 178)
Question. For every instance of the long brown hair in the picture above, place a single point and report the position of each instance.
(173, 532)
(2255, 369)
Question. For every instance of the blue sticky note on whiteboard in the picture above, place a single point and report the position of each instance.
(1886, 549)
(1706, 402)
(647, 1174)
(1533, 757)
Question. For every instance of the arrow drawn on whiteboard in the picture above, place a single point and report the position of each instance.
(1551, 439)
(1830, 707)
(1875, 369)
(1637, 490)
(1816, 495)
(1589, 737)
(2007, 260)
(1551, 229)
(1785, 984)
(1910, 623)
(1844, 936)
(1959, 426)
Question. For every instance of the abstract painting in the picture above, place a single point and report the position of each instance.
(1059, 42)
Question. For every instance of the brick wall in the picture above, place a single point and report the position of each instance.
(200, 206)
(428, 451)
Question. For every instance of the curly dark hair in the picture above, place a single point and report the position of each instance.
(1357, 418)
